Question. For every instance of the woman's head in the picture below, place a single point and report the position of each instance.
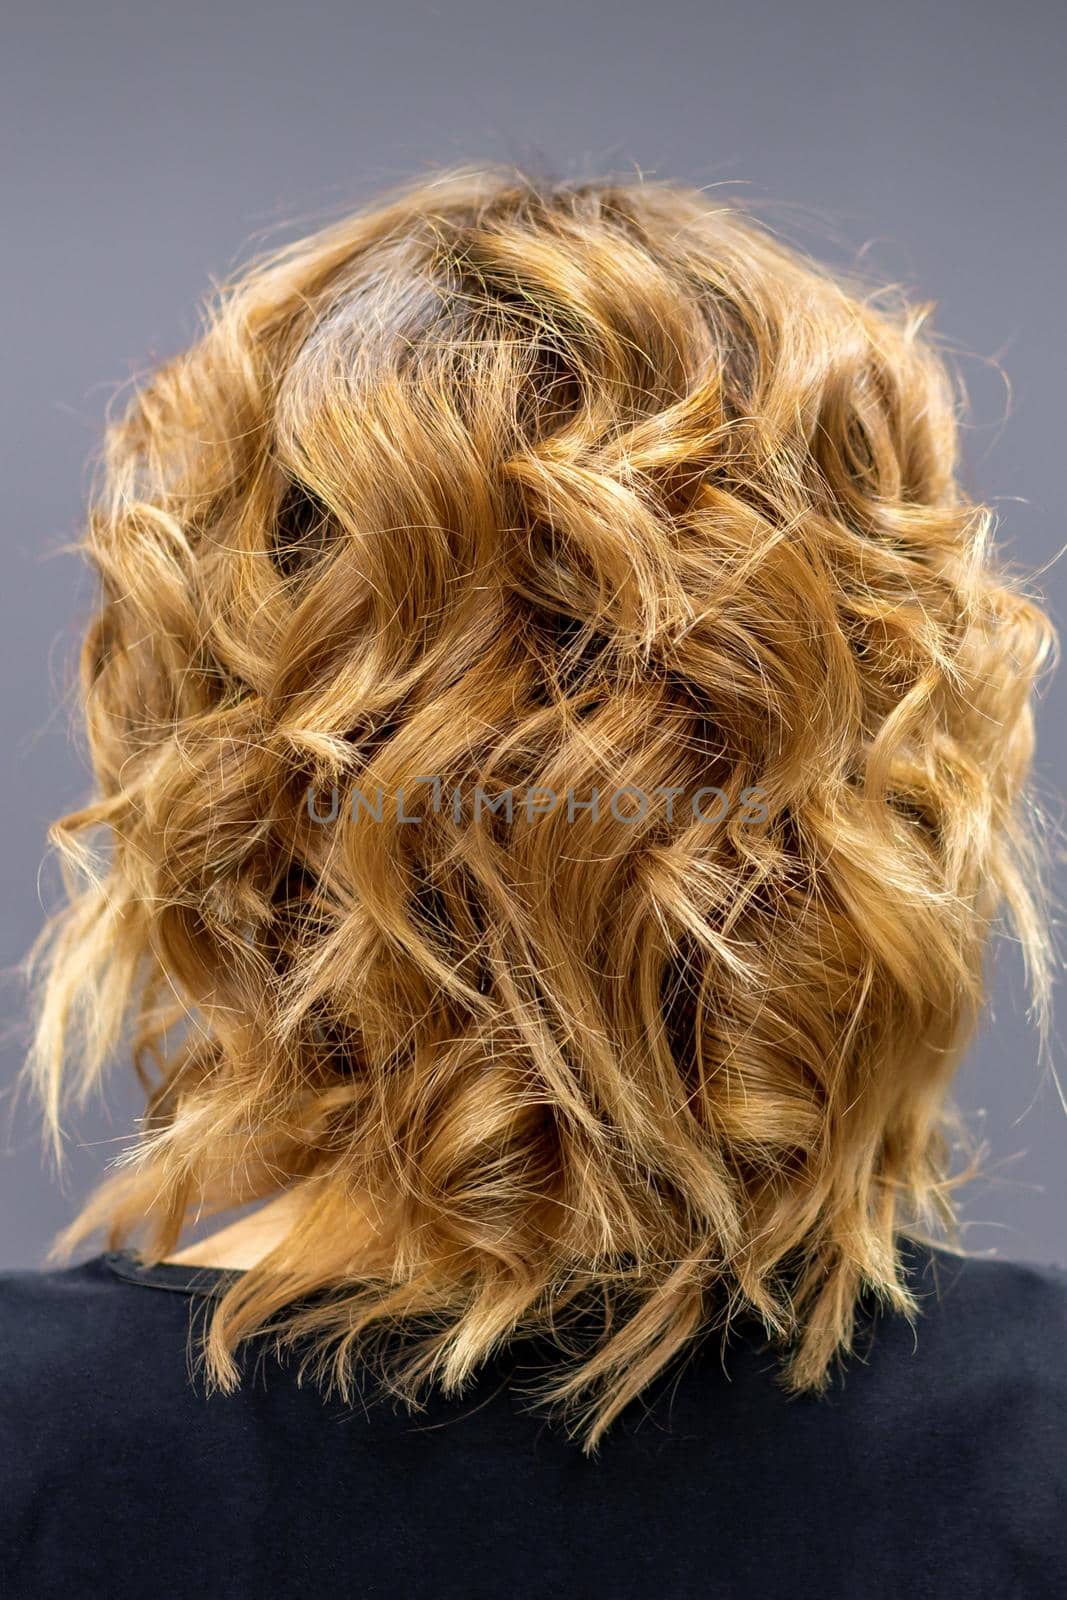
(560, 729)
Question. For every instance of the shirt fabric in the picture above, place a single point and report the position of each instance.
(934, 1466)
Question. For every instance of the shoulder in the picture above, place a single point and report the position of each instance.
(991, 1305)
(981, 1373)
(63, 1318)
(82, 1350)
(96, 1404)
(54, 1317)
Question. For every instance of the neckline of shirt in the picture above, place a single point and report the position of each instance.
(169, 1275)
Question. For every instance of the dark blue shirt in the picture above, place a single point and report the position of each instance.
(936, 1464)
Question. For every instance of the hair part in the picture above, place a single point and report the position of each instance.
(560, 486)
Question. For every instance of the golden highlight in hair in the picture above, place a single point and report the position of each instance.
(510, 485)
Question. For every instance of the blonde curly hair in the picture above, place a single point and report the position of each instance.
(509, 482)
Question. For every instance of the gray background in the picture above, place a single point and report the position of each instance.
(146, 143)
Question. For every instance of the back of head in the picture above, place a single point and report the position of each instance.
(561, 727)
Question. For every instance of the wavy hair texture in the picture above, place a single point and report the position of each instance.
(516, 482)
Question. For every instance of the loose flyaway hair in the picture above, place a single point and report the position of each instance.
(560, 732)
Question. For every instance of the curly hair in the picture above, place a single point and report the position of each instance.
(503, 484)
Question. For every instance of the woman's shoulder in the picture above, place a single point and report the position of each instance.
(49, 1313)
(85, 1340)
(982, 1285)
(48, 1304)
(1005, 1307)
(986, 1324)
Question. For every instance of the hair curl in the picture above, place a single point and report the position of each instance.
(555, 486)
